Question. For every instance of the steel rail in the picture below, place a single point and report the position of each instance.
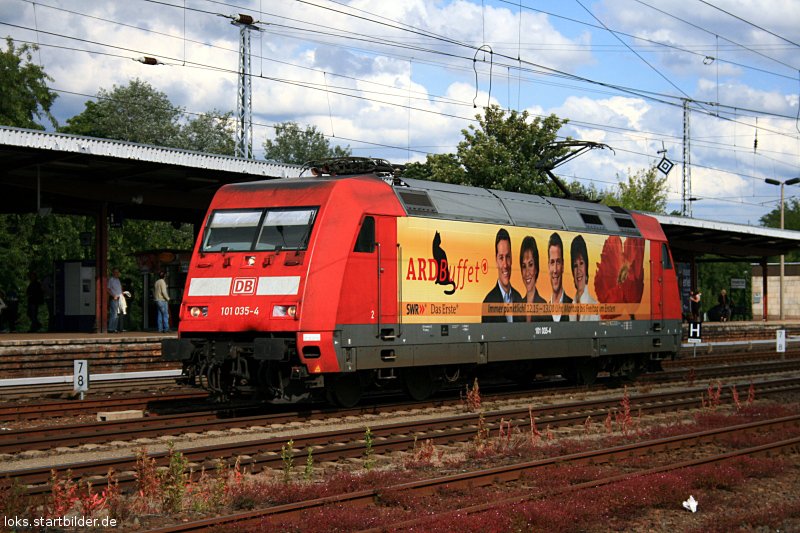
(335, 445)
(508, 473)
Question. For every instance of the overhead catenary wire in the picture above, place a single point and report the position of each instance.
(666, 45)
(301, 83)
(317, 31)
(643, 94)
(706, 30)
(466, 118)
(661, 74)
(211, 13)
(737, 17)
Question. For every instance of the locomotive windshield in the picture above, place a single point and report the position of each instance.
(259, 230)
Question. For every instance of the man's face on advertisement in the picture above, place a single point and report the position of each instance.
(503, 259)
(555, 266)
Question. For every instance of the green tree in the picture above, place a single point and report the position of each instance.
(135, 112)
(29, 242)
(293, 145)
(712, 277)
(508, 151)
(445, 168)
(504, 151)
(791, 220)
(139, 113)
(791, 216)
(583, 192)
(23, 86)
(645, 190)
(211, 133)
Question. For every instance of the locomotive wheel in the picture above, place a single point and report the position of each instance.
(581, 372)
(419, 383)
(587, 371)
(345, 391)
(636, 368)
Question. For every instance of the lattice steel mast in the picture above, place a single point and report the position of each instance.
(686, 206)
(244, 93)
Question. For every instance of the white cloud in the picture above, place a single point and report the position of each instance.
(363, 48)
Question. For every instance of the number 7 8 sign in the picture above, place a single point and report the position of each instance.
(80, 376)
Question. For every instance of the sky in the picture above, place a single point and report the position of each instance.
(400, 79)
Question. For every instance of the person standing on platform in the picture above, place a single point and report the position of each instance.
(162, 303)
(694, 305)
(35, 297)
(724, 306)
(114, 288)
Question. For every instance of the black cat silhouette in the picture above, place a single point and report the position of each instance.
(442, 273)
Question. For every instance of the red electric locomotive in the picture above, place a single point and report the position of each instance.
(344, 282)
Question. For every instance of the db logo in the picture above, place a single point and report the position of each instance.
(243, 286)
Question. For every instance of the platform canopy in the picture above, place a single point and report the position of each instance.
(692, 237)
(74, 175)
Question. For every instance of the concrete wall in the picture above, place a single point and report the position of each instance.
(791, 290)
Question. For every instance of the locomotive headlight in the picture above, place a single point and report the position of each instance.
(284, 311)
(196, 311)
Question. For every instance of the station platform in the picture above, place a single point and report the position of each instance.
(739, 330)
(24, 355)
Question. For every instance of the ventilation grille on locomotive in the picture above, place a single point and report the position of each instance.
(591, 220)
(417, 202)
(626, 225)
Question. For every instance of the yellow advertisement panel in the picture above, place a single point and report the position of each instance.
(468, 272)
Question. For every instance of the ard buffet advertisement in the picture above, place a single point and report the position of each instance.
(469, 272)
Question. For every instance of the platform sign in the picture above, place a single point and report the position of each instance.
(695, 332)
(80, 376)
(780, 341)
(738, 283)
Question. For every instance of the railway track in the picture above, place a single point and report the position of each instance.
(674, 371)
(696, 372)
(258, 454)
(233, 417)
(510, 473)
(41, 410)
(730, 358)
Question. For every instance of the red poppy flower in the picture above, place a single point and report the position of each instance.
(620, 272)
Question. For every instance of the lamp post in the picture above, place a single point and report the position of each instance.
(782, 184)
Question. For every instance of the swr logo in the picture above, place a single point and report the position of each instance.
(415, 309)
(243, 286)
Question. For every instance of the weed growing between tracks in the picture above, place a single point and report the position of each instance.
(163, 495)
(472, 397)
(641, 503)
(287, 458)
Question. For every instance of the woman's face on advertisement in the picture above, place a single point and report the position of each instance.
(528, 271)
(579, 272)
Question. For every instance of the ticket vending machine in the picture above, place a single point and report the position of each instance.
(74, 298)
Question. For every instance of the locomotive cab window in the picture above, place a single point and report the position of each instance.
(286, 229)
(366, 236)
(666, 262)
(232, 231)
(259, 229)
